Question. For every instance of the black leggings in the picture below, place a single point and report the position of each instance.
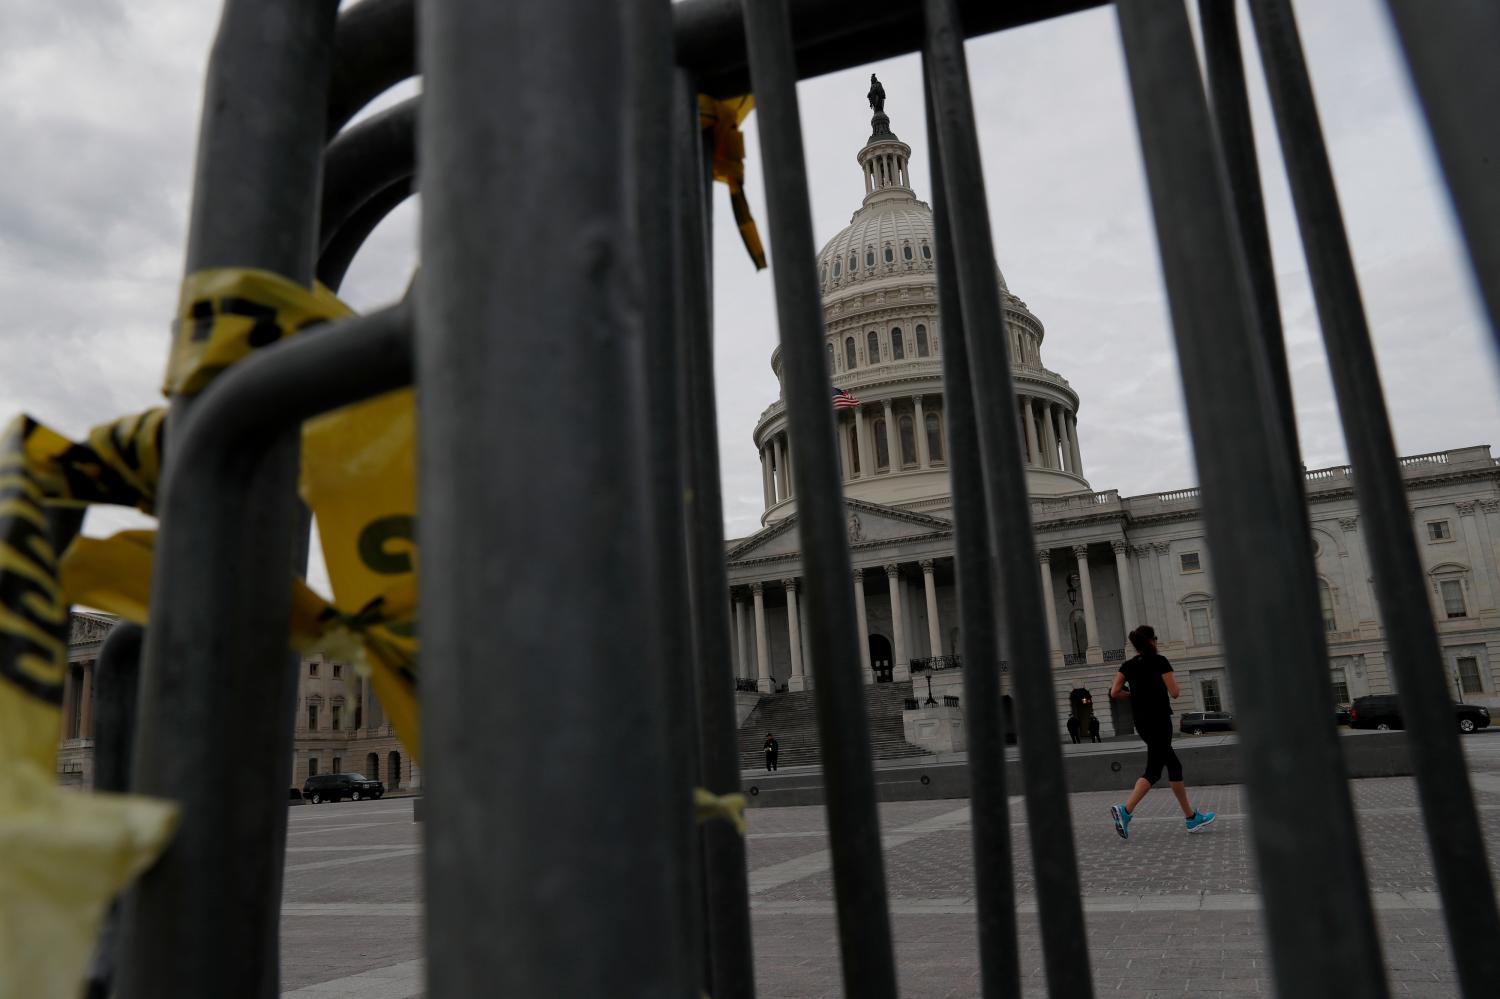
(1158, 739)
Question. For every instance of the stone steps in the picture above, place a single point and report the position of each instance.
(793, 718)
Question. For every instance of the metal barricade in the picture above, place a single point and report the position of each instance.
(565, 272)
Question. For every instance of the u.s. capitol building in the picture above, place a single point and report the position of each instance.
(1109, 562)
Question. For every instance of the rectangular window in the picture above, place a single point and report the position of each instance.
(334, 717)
(1468, 675)
(1438, 530)
(312, 766)
(1190, 562)
(338, 764)
(312, 717)
(1453, 598)
(1202, 634)
(1211, 699)
(1340, 686)
(312, 669)
(338, 670)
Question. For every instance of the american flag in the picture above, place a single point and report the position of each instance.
(843, 400)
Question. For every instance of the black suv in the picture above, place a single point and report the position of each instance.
(335, 787)
(1198, 722)
(1383, 711)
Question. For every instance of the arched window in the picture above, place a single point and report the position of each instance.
(1325, 600)
(854, 449)
(890, 257)
(906, 252)
(921, 340)
(394, 782)
(823, 275)
(830, 357)
(869, 257)
(872, 347)
(882, 449)
(926, 252)
(849, 361)
(934, 437)
(898, 344)
(836, 270)
(908, 440)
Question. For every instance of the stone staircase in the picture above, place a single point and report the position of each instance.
(793, 718)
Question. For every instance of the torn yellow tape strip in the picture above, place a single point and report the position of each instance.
(729, 807)
(227, 313)
(724, 118)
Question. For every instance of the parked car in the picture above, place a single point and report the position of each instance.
(336, 787)
(1198, 722)
(1383, 711)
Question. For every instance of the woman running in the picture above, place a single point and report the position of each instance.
(1151, 682)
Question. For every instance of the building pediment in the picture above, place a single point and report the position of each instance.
(88, 628)
(864, 524)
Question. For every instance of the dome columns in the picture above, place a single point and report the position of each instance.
(1051, 430)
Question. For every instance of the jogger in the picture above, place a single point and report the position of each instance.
(1151, 683)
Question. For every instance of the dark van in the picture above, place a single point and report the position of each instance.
(1383, 711)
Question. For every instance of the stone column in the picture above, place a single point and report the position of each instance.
(797, 680)
(1127, 588)
(1364, 604)
(742, 615)
(1085, 584)
(1476, 556)
(765, 478)
(934, 627)
(919, 428)
(862, 441)
(1049, 437)
(86, 703)
(762, 651)
(1171, 624)
(892, 442)
(864, 624)
(1073, 443)
(902, 664)
(68, 704)
(1028, 416)
(1049, 606)
(782, 483)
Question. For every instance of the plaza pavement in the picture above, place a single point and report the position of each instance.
(1167, 913)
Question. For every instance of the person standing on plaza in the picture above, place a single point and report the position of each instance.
(1152, 685)
(772, 748)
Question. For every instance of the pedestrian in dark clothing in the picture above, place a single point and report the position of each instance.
(772, 748)
(1073, 727)
(1094, 730)
(1151, 683)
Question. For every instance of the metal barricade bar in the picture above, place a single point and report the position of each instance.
(1277, 655)
(1448, 808)
(1008, 507)
(843, 730)
(534, 475)
(989, 806)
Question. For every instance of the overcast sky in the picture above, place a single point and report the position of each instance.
(98, 120)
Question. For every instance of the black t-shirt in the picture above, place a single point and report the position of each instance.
(1148, 692)
(772, 745)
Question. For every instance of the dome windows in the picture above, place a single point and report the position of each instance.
(830, 358)
(898, 344)
(870, 257)
(926, 252)
(890, 256)
(853, 263)
(872, 347)
(850, 362)
(906, 252)
(921, 337)
(836, 269)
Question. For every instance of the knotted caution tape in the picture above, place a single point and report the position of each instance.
(724, 118)
(729, 807)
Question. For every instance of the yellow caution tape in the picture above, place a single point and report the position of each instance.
(729, 807)
(63, 855)
(724, 118)
(226, 313)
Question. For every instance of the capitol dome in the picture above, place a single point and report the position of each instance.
(884, 346)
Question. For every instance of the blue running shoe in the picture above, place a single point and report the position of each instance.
(1122, 820)
(1199, 820)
